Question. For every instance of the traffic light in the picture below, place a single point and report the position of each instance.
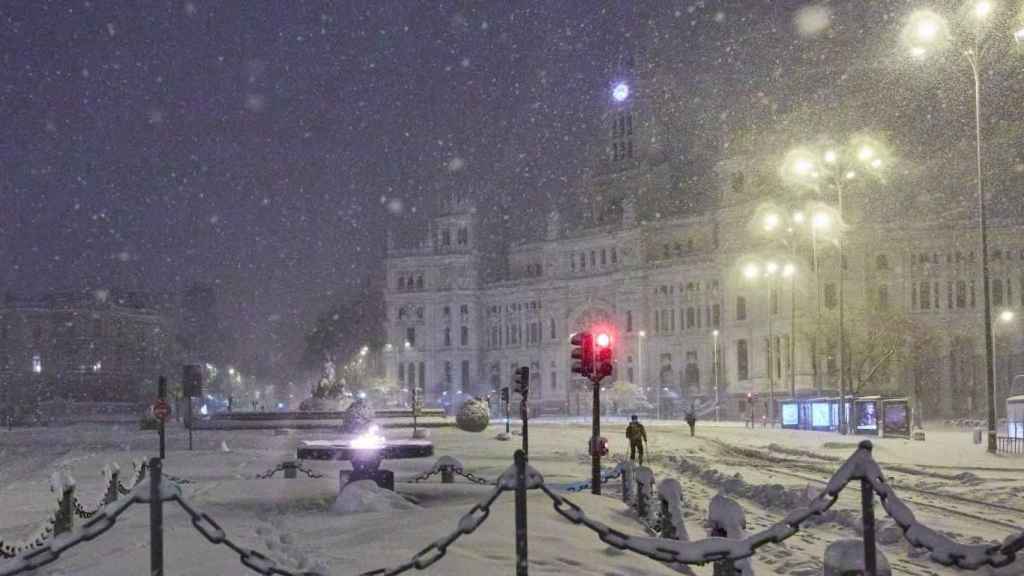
(603, 356)
(521, 381)
(504, 394)
(582, 353)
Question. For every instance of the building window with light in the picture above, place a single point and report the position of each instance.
(410, 335)
(925, 295)
(830, 296)
(622, 136)
(742, 360)
(464, 336)
(447, 336)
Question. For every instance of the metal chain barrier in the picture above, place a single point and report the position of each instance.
(103, 520)
(860, 466)
(448, 467)
(471, 477)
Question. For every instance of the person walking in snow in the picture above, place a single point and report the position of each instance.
(637, 437)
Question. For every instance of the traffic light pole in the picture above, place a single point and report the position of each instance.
(595, 449)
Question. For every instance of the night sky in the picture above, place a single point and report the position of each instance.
(266, 147)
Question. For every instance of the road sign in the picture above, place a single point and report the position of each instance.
(161, 410)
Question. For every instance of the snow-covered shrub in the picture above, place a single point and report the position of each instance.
(473, 416)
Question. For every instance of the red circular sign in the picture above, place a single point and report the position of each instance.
(161, 409)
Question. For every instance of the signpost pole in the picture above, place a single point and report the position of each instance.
(162, 394)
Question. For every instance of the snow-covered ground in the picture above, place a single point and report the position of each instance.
(950, 483)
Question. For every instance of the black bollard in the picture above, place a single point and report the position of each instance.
(156, 519)
(521, 558)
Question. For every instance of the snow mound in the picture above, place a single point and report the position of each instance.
(365, 496)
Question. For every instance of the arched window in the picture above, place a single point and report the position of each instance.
(401, 283)
(881, 262)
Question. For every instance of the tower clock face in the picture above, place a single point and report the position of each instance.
(620, 92)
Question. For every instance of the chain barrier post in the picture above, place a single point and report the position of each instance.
(156, 519)
(521, 558)
(290, 470)
(867, 502)
(447, 475)
(627, 482)
(65, 510)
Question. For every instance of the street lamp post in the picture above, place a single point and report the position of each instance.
(640, 360)
(772, 271)
(714, 354)
(1005, 317)
(928, 28)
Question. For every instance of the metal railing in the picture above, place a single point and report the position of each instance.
(728, 542)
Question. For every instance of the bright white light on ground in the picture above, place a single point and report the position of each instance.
(821, 220)
(362, 394)
(850, 175)
(982, 9)
(604, 340)
(798, 217)
(771, 221)
(918, 52)
(866, 153)
(830, 157)
(771, 268)
(751, 271)
(1006, 316)
(1019, 35)
(788, 270)
(876, 163)
(620, 92)
(369, 440)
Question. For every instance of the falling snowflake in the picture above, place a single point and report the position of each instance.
(456, 164)
(813, 20)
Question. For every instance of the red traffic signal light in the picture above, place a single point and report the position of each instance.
(603, 356)
(582, 353)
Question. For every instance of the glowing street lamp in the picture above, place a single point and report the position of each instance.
(982, 10)
(620, 92)
(925, 28)
(821, 221)
(771, 221)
